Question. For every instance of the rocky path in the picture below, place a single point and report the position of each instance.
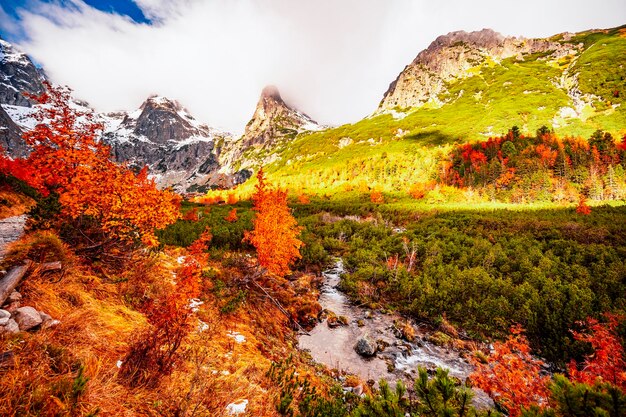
(11, 229)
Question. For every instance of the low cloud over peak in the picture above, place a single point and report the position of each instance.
(332, 59)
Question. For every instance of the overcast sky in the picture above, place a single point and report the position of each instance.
(333, 59)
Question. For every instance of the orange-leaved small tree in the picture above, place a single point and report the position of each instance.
(376, 197)
(69, 160)
(582, 207)
(303, 198)
(607, 363)
(275, 232)
(511, 376)
(192, 215)
(154, 353)
(232, 216)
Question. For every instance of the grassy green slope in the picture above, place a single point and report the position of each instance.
(389, 151)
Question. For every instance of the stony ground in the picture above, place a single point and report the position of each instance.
(11, 229)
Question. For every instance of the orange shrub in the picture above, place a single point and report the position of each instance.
(232, 216)
(376, 197)
(511, 375)
(583, 208)
(69, 159)
(303, 198)
(231, 199)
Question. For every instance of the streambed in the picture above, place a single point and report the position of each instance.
(334, 347)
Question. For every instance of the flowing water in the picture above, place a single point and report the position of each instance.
(334, 347)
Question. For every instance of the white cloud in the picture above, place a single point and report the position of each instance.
(333, 59)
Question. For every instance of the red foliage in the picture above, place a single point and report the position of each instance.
(276, 231)
(20, 169)
(511, 376)
(231, 199)
(547, 155)
(154, 353)
(376, 197)
(583, 208)
(232, 216)
(303, 199)
(68, 158)
(607, 362)
(478, 160)
(192, 215)
(200, 245)
(506, 178)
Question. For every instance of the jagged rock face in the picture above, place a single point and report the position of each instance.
(451, 56)
(273, 119)
(11, 136)
(179, 150)
(163, 135)
(273, 122)
(18, 75)
(162, 120)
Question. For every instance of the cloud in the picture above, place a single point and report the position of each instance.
(333, 59)
(8, 23)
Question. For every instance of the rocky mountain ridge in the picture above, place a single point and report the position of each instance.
(162, 134)
(273, 123)
(180, 151)
(451, 56)
(18, 75)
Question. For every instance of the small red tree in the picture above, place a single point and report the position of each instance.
(232, 216)
(154, 353)
(200, 245)
(303, 198)
(607, 363)
(231, 199)
(583, 208)
(376, 197)
(511, 376)
(275, 233)
(191, 215)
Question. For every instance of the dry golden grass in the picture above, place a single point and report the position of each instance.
(99, 310)
(13, 204)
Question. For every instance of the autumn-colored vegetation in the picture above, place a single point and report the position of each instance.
(543, 167)
(517, 381)
(607, 362)
(102, 199)
(275, 231)
(232, 216)
(511, 376)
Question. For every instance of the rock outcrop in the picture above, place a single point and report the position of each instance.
(274, 122)
(451, 56)
(11, 136)
(273, 119)
(162, 134)
(18, 75)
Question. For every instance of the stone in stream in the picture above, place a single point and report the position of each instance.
(27, 318)
(381, 345)
(365, 347)
(404, 330)
(324, 314)
(336, 321)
